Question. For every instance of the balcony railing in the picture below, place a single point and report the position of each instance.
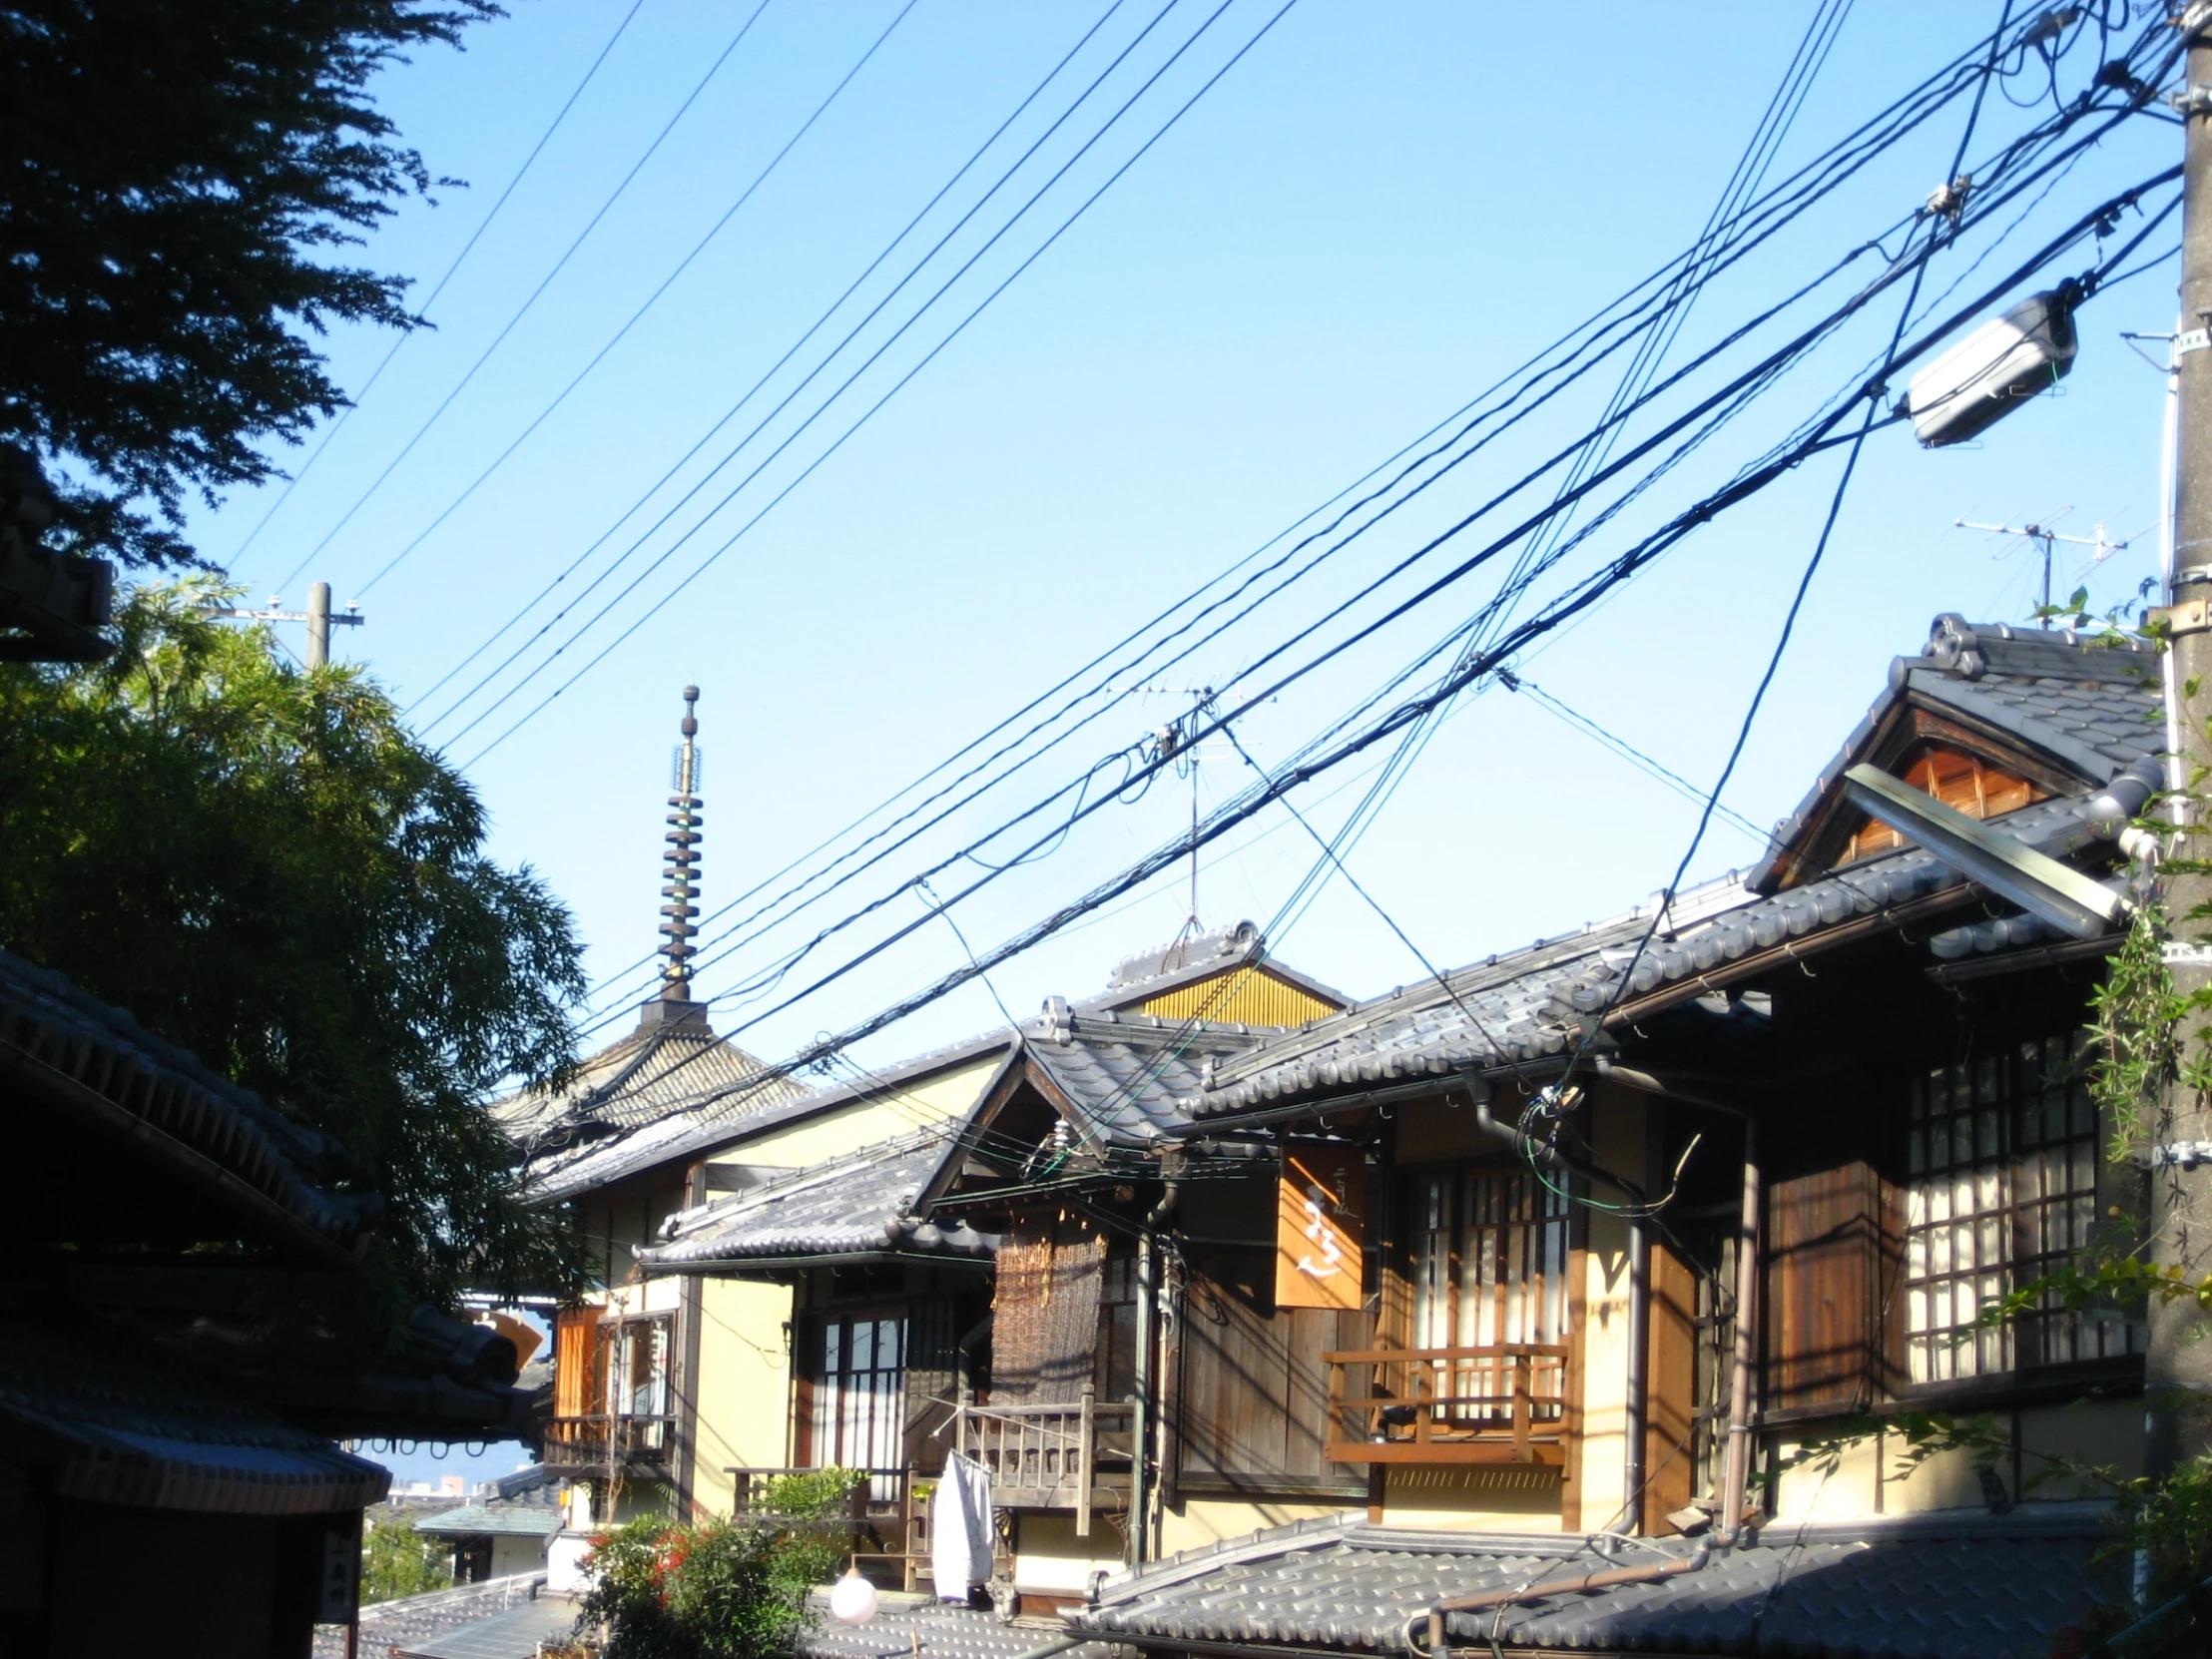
(594, 1443)
(1060, 1456)
(1501, 1404)
(888, 1526)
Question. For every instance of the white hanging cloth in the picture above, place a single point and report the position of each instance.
(961, 1544)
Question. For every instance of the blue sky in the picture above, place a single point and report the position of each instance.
(1371, 214)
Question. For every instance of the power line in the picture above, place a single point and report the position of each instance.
(1278, 782)
(896, 386)
(889, 247)
(545, 282)
(467, 247)
(2016, 150)
(1753, 380)
(708, 561)
(650, 301)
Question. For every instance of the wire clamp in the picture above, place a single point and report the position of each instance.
(2190, 616)
(2191, 340)
(2191, 99)
(2182, 953)
(2180, 1155)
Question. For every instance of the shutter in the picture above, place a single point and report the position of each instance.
(1832, 1256)
(1045, 1320)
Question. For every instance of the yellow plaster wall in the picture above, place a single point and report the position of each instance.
(1869, 1476)
(744, 1394)
(1618, 1127)
(1202, 1521)
(1481, 1498)
(894, 1112)
(1049, 1559)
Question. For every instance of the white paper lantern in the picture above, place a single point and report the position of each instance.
(853, 1598)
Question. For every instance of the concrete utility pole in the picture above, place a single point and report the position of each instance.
(2179, 1375)
(317, 616)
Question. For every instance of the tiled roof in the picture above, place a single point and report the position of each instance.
(1521, 1007)
(856, 1205)
(106, 1425)
(520, 1632)
(649, 1084)
(1950, 1585)
(403, 1625)
(938, 1630)
(2089, 706)
(1167, 967)
(1130, 1074)
(98, 1062)
(504, 1521)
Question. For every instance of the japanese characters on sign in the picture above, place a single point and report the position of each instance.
(1319, 1262)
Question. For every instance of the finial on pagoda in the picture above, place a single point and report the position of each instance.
(679, 874)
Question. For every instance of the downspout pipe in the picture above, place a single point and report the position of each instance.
(1638, 1415)
(1144, 1430)
(1727, 1526)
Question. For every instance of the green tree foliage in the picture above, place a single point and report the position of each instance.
(182, 176)
(721, 1589)
(396, 1560)
(265, 867)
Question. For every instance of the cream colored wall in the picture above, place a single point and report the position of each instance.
(1203, 1521)
(947, 1094)
(744, 1387)
(1049, 1559)
(1871, 1477)
(1618, 1126)
(1479, 1498)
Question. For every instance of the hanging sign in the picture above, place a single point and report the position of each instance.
(1318, 1257)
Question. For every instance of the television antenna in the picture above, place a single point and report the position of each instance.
(1177, 741)
(2044, 539)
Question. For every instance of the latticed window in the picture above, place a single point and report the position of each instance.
(2001, 1189)
(1489, 1259)
(859, 1415)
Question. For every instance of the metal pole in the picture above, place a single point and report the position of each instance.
(318, 624)
(2180, 1362)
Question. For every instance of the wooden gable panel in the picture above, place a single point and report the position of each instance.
(1958, 779)
(1240, 995)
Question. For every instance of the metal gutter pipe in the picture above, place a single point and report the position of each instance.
(1638, 1414)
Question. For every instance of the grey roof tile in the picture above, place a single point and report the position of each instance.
(1946, 1586)
(859, 1204)
(937, 1630)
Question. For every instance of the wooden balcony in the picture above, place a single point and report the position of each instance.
(1061, 1457)
(888, 1523)
(581, 1445)
(1501, 1404)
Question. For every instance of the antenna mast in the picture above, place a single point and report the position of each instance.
(2044, 537)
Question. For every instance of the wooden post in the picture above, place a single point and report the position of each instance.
(1521, 1364)
(1333, 1427)
(1420, 1388)
(1083, 1464)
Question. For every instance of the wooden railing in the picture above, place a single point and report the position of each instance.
(1060, 1456)
(1501, 1404)
(888, 1525)
(592, 1443)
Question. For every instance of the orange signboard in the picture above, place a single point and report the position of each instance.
(1318, 1257)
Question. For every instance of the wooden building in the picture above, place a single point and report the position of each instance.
(1471, 1274)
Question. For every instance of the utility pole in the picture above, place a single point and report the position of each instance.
(318, 617)
(2178, 1376)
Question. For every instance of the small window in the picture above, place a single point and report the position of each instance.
(2001, 1189)
(1957, 778)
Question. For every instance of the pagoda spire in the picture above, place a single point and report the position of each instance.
(680, 878)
